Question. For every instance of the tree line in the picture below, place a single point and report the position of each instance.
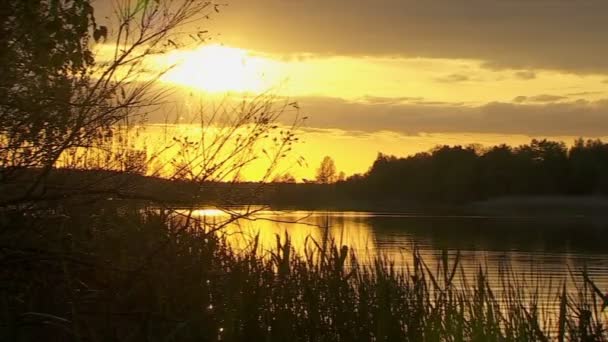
(457, 173)
(470, 173)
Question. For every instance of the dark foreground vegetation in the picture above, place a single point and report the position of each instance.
(115, 273)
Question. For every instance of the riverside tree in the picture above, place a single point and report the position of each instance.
(72, 89)
(326, 173)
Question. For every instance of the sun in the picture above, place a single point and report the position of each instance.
(217, 69)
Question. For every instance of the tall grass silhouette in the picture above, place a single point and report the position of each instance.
(132, 274)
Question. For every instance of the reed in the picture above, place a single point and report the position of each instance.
(116, 274)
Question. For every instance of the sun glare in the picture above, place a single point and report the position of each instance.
(216, 68)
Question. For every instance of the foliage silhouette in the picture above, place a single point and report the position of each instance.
(461, 174)
(75, 94)
(326, 173)
(457, 174)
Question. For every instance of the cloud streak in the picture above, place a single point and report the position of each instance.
(525, 75)
(575, 118)
(453, 78)
(539, 98)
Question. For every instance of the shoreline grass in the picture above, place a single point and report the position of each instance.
(123, 274)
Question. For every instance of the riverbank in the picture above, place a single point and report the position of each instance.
(101, 185)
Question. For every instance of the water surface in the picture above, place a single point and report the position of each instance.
(541, 252)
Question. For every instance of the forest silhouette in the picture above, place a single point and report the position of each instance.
(457, 174)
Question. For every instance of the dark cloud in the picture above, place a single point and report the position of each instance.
(453, 78)
(527, 35)
(390, 100)
(585, 93)
(539, 98)
(576, 118)
(437, 103)
(520, 99)
(380, 100)
(525, 75)
(405, 116)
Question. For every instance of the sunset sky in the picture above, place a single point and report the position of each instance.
(399, 76)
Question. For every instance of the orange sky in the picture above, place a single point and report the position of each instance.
(403, 76)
